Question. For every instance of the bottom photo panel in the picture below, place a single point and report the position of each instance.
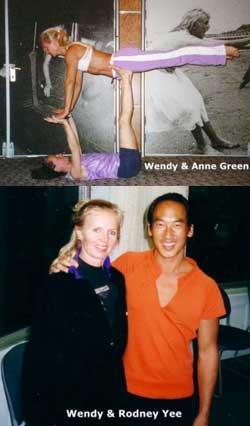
(125, 305)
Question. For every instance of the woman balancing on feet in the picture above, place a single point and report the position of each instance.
(80, 166)
(81, 58)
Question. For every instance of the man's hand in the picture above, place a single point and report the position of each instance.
(62, 264)
(232, 52)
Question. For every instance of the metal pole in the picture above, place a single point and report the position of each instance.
(7, 68)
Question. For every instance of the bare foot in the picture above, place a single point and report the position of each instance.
(222, 143)
(232, 52)
(205, 150)
(124, 74)
(199, 149)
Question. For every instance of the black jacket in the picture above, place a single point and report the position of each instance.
(73, 360)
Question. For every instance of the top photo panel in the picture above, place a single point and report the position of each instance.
(129, 92)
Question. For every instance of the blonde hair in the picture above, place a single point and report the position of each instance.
(190, 18)
(55, 33)
(80, 211)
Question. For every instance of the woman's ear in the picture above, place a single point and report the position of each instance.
(78, 233)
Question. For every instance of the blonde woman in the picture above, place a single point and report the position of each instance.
(74, 355)
(80, 58)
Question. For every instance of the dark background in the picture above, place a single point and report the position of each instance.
(34, 224)
(221, 241)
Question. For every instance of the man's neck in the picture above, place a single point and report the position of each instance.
(176, 264)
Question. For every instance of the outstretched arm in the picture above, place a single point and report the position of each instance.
(73, 143)
(72, 83)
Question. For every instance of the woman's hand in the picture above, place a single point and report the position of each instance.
(60, 113)
(54, 119)
(232, 52)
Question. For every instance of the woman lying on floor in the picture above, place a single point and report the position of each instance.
(80, 166)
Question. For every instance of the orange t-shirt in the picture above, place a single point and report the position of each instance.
(158, 359)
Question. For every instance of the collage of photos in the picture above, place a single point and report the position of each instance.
(125, 199)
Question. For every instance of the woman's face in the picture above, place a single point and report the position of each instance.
(98, 235)
(200, 27)
(52, 48)
(59, 161)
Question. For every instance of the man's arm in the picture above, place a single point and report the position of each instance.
(208, 356)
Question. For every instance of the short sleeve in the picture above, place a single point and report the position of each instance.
(214, 306)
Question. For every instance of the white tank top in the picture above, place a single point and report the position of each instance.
(83, 63)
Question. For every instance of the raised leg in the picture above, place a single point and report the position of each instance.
(127, 133)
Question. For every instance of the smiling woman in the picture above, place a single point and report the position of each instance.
(82, 318)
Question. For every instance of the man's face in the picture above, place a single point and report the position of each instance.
(169, 230)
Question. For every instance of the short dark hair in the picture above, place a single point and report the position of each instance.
(170, 196)
(46, 171)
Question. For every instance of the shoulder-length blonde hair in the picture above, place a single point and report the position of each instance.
(80, 211)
